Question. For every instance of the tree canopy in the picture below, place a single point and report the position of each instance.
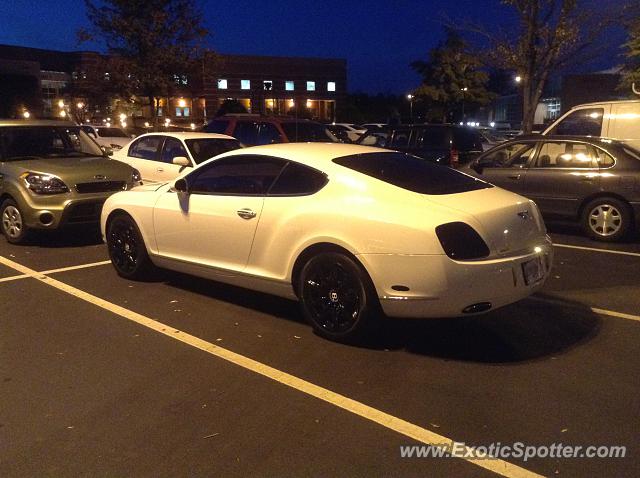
(631, 71)
(155, 41)
(452, 76)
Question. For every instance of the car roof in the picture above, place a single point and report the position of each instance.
(600, 103)
(18, 122)
(188, 135)
(316, 155)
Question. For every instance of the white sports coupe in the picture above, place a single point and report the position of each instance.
(347, 230)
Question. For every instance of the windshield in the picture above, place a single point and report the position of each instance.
(411, 173)
(205, 148)
(111, 133)
(35, 142)
(304, 132)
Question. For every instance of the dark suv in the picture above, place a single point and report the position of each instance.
(442, 143)
(253, 130)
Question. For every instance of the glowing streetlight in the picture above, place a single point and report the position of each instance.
(464, 90)
(80, 105)
(63, 114)
(410, 98)
(26, 115)
(60, 104)
(182, 103)
(518, 79)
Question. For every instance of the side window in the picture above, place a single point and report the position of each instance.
(146, 148)
(268, 134)
(89, 131)
(514, 155)
(237, 175)
(172, 149)
(399, 139)
(298, 180)
(217, 126)
(603, 159)
(565, 155)
(246, 132)
(584, 122)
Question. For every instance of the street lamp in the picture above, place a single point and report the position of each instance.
(464, 90)
(410, 98)
(518, 79)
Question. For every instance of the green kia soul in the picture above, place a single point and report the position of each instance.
(53, 174)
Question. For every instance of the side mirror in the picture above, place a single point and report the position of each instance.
(478, 166)
(132, 135)
(181, 161)
(181, 186)
(107, 150)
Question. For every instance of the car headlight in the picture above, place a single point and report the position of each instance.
(44, 183)
(136, 177)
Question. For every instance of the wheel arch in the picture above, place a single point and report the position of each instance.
(605, 194)
(319, 248)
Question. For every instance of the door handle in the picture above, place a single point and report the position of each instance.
(159, 170)
(515, 177)
(246, 213)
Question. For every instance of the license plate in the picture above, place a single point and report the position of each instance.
(533, 271)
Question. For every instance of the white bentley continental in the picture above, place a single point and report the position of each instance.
(350, 231)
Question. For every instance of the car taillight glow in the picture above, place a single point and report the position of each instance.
(455, 158)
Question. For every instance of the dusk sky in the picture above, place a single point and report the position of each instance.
(377, 38)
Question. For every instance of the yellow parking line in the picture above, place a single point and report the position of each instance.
(54, 271)
(595, 249)
(386, 420)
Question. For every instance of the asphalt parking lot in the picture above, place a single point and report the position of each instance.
(185, 377)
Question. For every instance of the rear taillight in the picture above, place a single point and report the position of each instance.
(461, 242)
(454, 162)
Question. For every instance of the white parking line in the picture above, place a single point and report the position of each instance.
(386, 420)
(622, 253)
(54, 271)
(595, 310)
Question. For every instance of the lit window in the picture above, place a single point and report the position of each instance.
(245, 84)
(331, 86)
(222, 84)
(183, 111)
(288, 85)
(267, 85)
(311, 86)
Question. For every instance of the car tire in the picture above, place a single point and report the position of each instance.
(127, 250)
(12, 222)
(338, 298)
(606, 219)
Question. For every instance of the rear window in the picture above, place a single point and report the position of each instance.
(216, 126)
(111, 133)
(305, 132)
(411, 173)
(205, 148)
(436, 138)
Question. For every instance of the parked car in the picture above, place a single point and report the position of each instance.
(610, 119)
(252, 130)
(592, 181)
(345, 229)
(53, 174)
(108, 136)
(161, 157)
(352, 131)
(450, 145)
(373, 126)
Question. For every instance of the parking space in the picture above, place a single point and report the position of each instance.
(88, 381)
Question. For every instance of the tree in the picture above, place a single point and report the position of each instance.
(156, 41)
(631, 71)
(549, 36)
(452, 77)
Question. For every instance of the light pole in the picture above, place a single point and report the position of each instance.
(410, 98)
(464, 90)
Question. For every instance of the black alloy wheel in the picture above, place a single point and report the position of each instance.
(337, 297)
(127, 251)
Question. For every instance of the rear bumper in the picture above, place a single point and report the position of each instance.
(440, 287)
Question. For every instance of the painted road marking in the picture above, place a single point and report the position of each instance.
(54, 271)
(595, 310)
(623, 253)
(388, 421)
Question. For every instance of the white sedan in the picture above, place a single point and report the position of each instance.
(345, 229)
(162, 157)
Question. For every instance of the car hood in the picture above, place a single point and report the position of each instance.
(74, 170)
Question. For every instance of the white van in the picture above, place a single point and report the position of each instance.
(609, 119)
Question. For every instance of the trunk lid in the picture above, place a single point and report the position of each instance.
(510, 224)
